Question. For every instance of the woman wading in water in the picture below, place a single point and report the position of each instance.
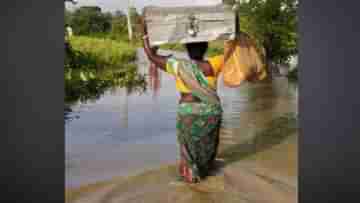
(199, 111)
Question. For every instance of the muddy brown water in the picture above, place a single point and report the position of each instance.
(134, 135)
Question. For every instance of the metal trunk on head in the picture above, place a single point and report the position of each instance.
(189, 24)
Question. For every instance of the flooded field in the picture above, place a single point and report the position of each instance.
(121, 135)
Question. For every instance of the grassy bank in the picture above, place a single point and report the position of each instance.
(104, 52)
(93, 65)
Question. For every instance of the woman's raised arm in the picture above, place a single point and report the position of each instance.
(159, 61)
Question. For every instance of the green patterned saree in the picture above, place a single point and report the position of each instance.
(197, 124)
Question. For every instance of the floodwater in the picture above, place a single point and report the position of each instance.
(121, 135)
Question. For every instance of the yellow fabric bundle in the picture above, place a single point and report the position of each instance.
(242, 61)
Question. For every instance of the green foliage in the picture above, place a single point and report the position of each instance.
(107, 52)
(119, 26)
(215, 47)
(133, 13)
(273, 23)
(173, 46)
(90, 20)
(231, 2)
(94, 65)
(119, 13)
(87, 84)
(293, 75)
(136, 22)
(119, 29)
(67, 17)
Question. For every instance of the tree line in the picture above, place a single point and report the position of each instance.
(92, 21)
(272, 23)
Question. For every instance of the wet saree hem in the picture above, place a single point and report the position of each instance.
(197, 127)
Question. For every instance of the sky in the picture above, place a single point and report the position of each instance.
(113, 5)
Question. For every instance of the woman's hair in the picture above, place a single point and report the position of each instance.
(197, 50)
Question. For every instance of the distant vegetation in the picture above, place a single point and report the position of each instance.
(99, 55)
(95, 65)
(215, 47)
(107, 52)
(274, 24)
(91, 21)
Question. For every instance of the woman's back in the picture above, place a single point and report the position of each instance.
(210, 68)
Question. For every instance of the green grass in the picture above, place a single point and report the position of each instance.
(97, 63)
(173, 47)
(104, 52)
(93, 65)
(215, 48)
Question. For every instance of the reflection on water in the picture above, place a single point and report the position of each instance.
(250, 107)
(121, 134)
(84, 85)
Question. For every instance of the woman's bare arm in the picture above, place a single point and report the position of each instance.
(159, 61)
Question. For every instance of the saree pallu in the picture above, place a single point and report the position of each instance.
(197, 124)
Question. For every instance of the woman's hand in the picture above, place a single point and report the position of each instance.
(145, 36)
(159, 61)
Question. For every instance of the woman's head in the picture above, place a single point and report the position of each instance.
(196, 50)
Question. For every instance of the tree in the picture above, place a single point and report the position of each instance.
(119, 25)
(89, 20)
(231, 2)
(273, 23)
(135, 22)
(119, 14)
(68, 17)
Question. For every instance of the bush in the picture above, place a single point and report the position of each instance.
(94, 65)
(274, 24)
(105, 52)
(89, 20)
